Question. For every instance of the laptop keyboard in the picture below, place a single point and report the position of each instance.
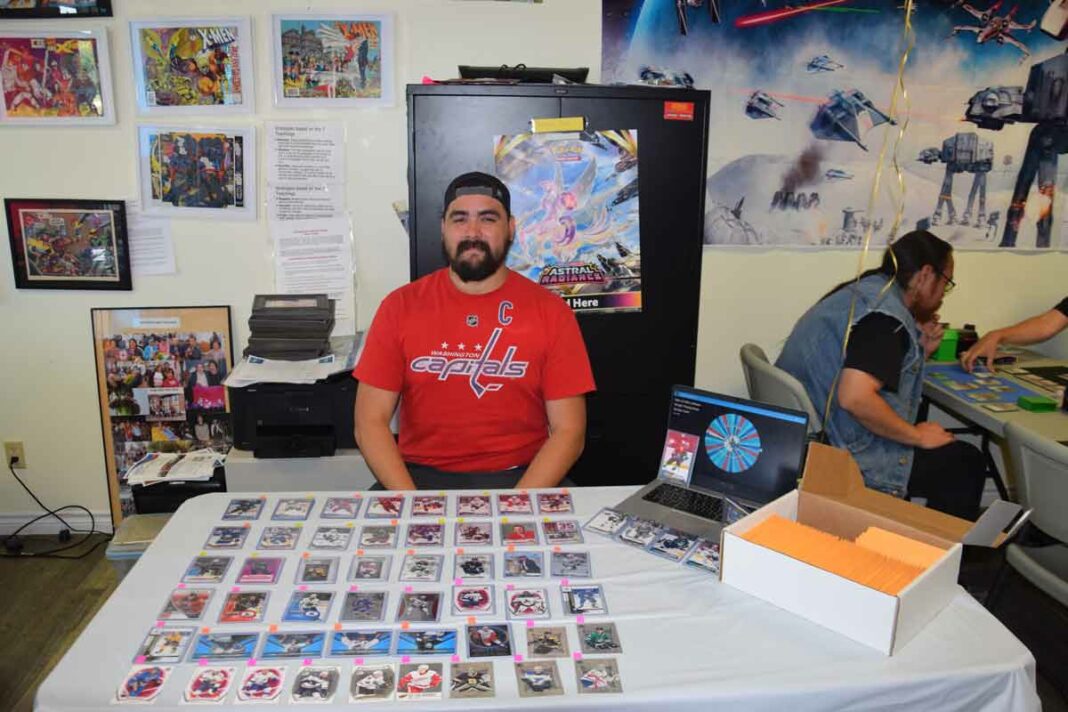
(684, 500)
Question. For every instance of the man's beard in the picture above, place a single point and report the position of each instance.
(475, 271)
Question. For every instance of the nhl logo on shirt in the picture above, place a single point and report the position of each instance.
(472, 319)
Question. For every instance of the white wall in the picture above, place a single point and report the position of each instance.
(48, 396)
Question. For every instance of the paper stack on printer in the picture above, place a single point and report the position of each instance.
(290, 327)
(256, 369)
(156, 467)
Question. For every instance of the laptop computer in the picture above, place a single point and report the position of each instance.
(722, 458)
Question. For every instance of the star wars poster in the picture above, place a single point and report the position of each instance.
(575, 202)
(801, 102)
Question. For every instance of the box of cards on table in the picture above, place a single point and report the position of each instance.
(863, 563)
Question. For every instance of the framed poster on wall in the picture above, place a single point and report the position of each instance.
(159, 378)
(35, 9)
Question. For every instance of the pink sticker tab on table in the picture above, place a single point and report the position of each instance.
(565, 582)
(577, 655)
(530, 623)
(460, 550)
(557, 550)
(580, 619)
(406, 658)
(458, 582)
(393, 522)
(235, 589)
(511, 548)
(140, 660)
(203, 662)
(410, 552)
(251, 662)
(455, 658)
(272, 628)
(359, 552)
(354, 587)
(302, 588)
(358, 661)
(306, 662)
(357, 495)
(518, 658)
(337, 626)
(205, 631)
(509, 587)
(181, 585)
(305, 555)
(405, 625)
(246, 525)
(471, 620)
(408, 589)
(159, 624)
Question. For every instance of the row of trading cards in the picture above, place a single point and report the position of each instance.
(645, 534)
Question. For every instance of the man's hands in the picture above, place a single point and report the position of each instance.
(932, 331)
(985, 348)
(932, 435)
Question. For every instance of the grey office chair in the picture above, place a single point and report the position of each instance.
(769, 384)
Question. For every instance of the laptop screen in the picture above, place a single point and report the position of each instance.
(734, 447)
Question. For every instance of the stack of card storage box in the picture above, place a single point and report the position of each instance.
(290, 327)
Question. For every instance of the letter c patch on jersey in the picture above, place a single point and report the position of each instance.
(504, 315)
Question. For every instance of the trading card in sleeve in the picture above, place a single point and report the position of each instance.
(165, 645)
(370, 568)
(258, 569)
(607, 522)
(420, 682)
(524, 564)
(584, 600)
(340, 508)
(315, 683)
(705, 556)
(378, 536)
(209, 684)
(317, 569)
(524, 532)
(419, 607)
(514, 503)
(598, 676)
(539, 678)
(562, 531)
(471, 680)
(474, 533)
(261, 684)
(555, 503)
(363, 606)
(420, 534)
(244, 607)
(333, 538)
(207, 569)
(599, 638)
(477, 567)
(421, 567)
(473, 600)
(360, 643)
(243, 509)
(308, 607)
(186, 604)
(676, 463)
(226, 538)
(489, 640)
(293, 508)
(429, 506)
(293, 644)
(547, 642)
(639, 532)
(522, 603)
(570, 564)
(672, 544)
(429, 641)
(279, 538)
(143, 683)
(385, 506)
(372, 683)
(473, 505)
(225, 646)
(732, 511)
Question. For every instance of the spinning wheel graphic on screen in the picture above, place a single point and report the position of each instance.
(732, 443)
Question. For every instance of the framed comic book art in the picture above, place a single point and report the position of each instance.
(159, 378)
(23, 9)
(68, 244)
(184, 66)
(53, 78)
(333, 60)
(198, 172)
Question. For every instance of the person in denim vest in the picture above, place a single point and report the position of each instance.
(876, 389)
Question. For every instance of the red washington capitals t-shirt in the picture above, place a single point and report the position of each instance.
(474, 371)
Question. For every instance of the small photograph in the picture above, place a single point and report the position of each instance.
(378, 537)
(261, 684)
(209, 684)
(547, 642)
(705, 556)
(165, 645)
(359, 643)
(143, 683)
(639, 532)
(555, 503)
(186, 604)
(260, 570)
(562, 531)
(293, 645)
(315, 684)
(519, 533)
(514, 503)
(420, 681)
(538, 679)
(369, 568)
(607, 521)
(672, 544)
(387, 506)
(340, 508)
(334, 538)
(425, 535)
(597, 676)
(372, 683)
(225, 646)
(471, 680)
(489, 640)
(599, 638)
(527, 603)
(247, 509)
(317, 569)
(363, 606)
(433, 641)
(584, 600)
(680, 449)
(419, 607)
(570, 564)
(522, 564)
(293, 509)
(308, 607)
(244, 607)
(474, 534)
(421, 567)
(226, 538)
(472, 600)
(474, 566)
(279, 538)
(429, 506)
(473, 505)
(161, 403)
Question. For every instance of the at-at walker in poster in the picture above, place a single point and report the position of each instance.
(575, 202)
(801, 95)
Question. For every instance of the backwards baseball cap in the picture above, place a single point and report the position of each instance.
(476, 183)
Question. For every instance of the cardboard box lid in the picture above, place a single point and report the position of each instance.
(833, 473)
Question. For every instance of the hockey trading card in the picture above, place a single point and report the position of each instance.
(584, 600)
(471, 680)
(432, 641)
(359, 643)
(472, 600)
(186, 604)
(335, 538)
(639, 532)
(474, 566)
(538, 679)
(527, 603)
(521, 564)
(514, 503)
(260, 570)
(165, 645)
(420, 681)
(340, 508)
(244, 607)
(143, 683)
(261, 684)
(317, 569)
(599, 638)
(489, 640)
(308, 607)
(473, 505)
(209, 684)
(598, 676)
(292, 644)
(207, 569)
(425, 535)
(732, 511)
(293, 508)
(705, 556)
(370, 568)
(570, 564)
(421, 567)
(607, 521)
(372, 683)
(562, 531)
(225, 646)
(378, 537)
(676, 463)
(419, 607)
(363, 606)
(243, 509)
(474, 533)
(226, 538)
(279, 538)
(672, 544)
(519, 533)
(315, 684)
(547, 642)
(387, 506)
(555, 503)
(429, 506)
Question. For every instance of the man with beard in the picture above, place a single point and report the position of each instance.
(489, 369)
(873, 395)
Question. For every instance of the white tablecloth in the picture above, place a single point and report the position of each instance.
(689, 642)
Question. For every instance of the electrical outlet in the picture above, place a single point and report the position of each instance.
(14, 449)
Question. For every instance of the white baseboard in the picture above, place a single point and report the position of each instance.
(50, 525)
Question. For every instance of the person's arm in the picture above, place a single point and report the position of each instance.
(1029, 331)
(567, 438)
(858, 395)
(374, 410)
